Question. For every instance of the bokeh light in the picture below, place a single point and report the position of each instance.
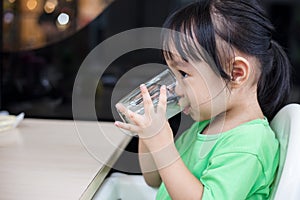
(31, 4)
(50, 6)
(8, 17)
(63, 19)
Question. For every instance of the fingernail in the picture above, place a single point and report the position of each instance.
(142, 85)
(120, 107)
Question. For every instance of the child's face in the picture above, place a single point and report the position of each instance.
(202, 91)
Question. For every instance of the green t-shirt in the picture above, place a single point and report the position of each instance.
(234, 165)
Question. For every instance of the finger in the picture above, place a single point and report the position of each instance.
(129, 127)
(121, 108)
(162, 103)
(148, 105)
(135, 118)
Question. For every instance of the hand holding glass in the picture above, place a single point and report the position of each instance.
(134, 100)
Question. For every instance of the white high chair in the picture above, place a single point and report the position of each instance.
(126, 187)
(286, 125)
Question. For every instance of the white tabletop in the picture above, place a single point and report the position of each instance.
(57, 159)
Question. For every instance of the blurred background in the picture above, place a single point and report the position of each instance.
(44, 43)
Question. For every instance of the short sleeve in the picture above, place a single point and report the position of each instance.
(231, 176)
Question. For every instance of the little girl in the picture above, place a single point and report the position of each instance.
(232, 78)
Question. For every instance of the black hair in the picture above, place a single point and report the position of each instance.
(243, 25)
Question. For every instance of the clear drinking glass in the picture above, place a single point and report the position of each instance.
(134, 100)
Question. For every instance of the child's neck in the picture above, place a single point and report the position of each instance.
(234, 116)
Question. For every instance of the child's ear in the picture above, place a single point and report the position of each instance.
(240, 71)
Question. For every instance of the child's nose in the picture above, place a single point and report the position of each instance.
(178, 89)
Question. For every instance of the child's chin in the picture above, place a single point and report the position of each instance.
(196, 118)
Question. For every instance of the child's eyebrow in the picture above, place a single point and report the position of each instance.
(173, 63)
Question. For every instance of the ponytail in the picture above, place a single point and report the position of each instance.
(274, 84)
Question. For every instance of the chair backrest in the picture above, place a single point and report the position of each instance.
(286, 125)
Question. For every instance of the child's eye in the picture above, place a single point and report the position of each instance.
(183, 74)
